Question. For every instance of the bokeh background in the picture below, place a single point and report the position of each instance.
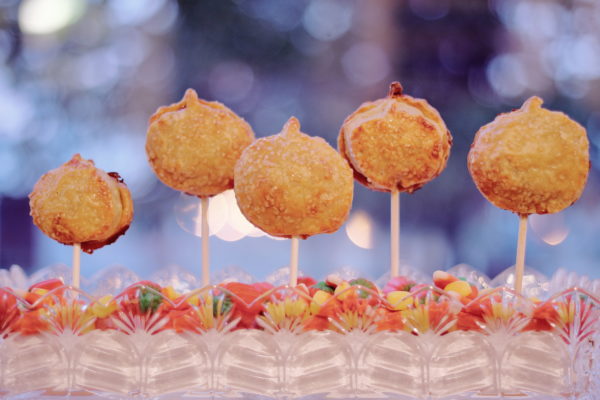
(85, 75)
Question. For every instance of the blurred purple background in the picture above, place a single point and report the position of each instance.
(85, 75)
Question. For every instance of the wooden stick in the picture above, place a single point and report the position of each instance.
(76, 267)
(520, 263)
(395, 234)
(294, 262)
(205, 236)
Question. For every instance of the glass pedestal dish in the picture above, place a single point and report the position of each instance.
(148, 342)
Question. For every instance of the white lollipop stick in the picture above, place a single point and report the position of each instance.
(521, 243)
(294, 262)
(76, 264)
(205, 235)
(395, 234)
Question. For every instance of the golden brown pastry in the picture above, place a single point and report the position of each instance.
(292, 184)
(395, 143)
(79, 203)
(193, 145)
(531, 160)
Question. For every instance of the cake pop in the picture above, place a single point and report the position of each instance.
(293, 185)
(397, 143)
(78, 203)
(193, 145)
(531, 160)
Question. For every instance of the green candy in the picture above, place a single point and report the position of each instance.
(362, 282)
(150, 300)
(323, 286)
(363, 294)
(224, 302)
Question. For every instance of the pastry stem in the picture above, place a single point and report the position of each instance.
(205, 236)
(395, 234)
(520, 262)
(294, 262)
(395, 89)
(76, 265)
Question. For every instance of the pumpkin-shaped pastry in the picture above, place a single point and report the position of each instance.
(531, 160)
(79, 203)
(398, 143)
(293, 185)
(193, 145)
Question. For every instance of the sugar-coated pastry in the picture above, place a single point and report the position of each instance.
(531, 160)
(292, 184)
(395, 143)
(79, 203)
(193, 145)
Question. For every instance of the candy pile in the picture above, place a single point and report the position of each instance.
(451, 303)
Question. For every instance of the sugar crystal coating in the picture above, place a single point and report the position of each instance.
(193, 145)
(291, 184)
(531, 160)
(79, 203)
(395, 143)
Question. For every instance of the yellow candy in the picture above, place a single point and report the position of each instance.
(461, 287)
(320, 298)
(535, 300)
(399, 300)
(342, 287)
(294, 308)
(195, 301)
(104, 307)
(170, 293)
